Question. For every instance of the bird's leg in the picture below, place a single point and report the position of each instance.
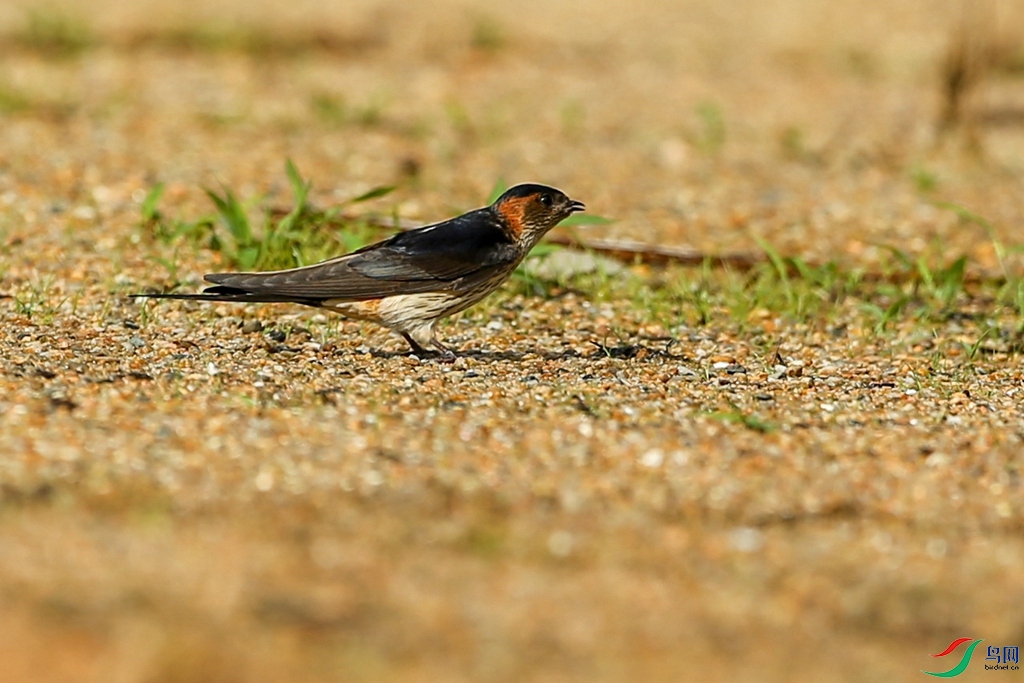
(416, 347)
(447, 355)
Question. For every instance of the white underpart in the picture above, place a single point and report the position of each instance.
(412, 314)
(416, 314)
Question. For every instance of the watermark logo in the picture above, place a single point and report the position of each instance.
(1006, 658)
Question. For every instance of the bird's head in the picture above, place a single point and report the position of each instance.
(529, 211)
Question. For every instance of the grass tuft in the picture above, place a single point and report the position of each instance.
(303, 235)
(748, 420)
(710, 135)
(487, 34)
(53, 34)
(13, 101)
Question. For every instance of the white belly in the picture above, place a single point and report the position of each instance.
(402, 312)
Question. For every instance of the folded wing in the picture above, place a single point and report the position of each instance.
(450, 256)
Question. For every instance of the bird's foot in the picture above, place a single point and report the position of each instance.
(443, 353)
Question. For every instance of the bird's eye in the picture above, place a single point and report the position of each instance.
(546, 200)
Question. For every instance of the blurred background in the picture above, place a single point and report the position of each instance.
(827, 129)
(823, 127)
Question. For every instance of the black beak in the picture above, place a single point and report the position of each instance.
(575, 206)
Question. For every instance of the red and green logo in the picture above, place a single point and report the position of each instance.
(964, 661)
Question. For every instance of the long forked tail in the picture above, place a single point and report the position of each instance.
(223, 293)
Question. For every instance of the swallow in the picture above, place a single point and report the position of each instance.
(410, 281)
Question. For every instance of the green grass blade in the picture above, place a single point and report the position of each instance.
(150, 210)
(373, 194)
(233, 216)
(585, 219)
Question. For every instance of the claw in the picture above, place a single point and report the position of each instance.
(446, 355)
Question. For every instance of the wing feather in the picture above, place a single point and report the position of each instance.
(450, 256)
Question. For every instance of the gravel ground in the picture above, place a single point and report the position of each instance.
(594, 490)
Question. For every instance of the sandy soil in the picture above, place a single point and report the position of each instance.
(181, 500)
